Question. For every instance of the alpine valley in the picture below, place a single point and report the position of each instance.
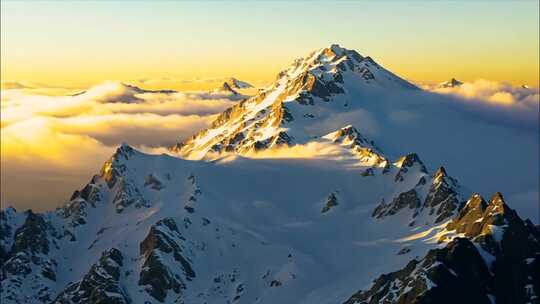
(285, 198)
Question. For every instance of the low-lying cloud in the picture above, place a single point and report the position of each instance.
(55, 143)
(497, 102)
(492, 92)
(66, 138)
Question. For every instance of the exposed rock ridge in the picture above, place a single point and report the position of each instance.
(265, 121)
(492, 257)
(100, 285)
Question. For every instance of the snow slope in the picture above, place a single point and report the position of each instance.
(334, 87)
(264, 226)
(277, 202)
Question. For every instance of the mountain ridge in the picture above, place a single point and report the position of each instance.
(277, 115)
(242, 229)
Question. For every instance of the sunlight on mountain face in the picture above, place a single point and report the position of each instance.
(43, 131)
(262, 152)
(321, 163)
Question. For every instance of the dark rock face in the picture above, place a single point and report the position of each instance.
(227, 88)
(28, 259)
(32, 235)
(407, 162)
(153, 182)
(77, 207)
(434, 279)
(113, 169)
(441, 202)
(514, 243)
(100, 285)
(281, 139)
(442, 198)
(352, 134)
(407, 199)
(114, 174)
(7, 230)
(490, 227)
(331, 202)
(31, 246)
(159, 278)
(451, 83)
(128, 194)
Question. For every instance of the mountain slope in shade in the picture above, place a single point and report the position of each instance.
(182, 233)
(166, 230)
(235, 229)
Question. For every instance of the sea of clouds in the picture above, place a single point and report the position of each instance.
(54, 144)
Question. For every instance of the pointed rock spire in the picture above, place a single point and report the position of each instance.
(441, 172)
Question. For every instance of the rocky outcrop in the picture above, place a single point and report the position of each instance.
(10, 220)
(157, 275)
(101, 285)
(114, 173)
(77, 207)
(434, 279)
(226, 87)
(452, 83)
(441, 201)
(407, 199)
(330, 203)
(496, 260)
(28, 260)
(407, 163)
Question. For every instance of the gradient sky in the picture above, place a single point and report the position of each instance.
(76, 43)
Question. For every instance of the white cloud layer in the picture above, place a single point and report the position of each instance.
(493, 92)
(67, 138)
(55, 143)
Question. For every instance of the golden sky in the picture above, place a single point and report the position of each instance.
(180, 45)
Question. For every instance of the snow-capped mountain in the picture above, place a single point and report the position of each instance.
(237, 84)
(493, 257)
(225, 87)
(312, 89)
(236, 89)
(239, 229)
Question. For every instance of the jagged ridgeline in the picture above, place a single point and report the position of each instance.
(359, 227)
(311, 89)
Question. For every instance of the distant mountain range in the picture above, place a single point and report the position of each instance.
(340, 221)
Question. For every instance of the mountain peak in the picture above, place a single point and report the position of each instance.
(336, 50)
(409, 160)
(440, 173)
(312, 89)
(497, 198)
(237, 84)
(226, 87)
(452, 83)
